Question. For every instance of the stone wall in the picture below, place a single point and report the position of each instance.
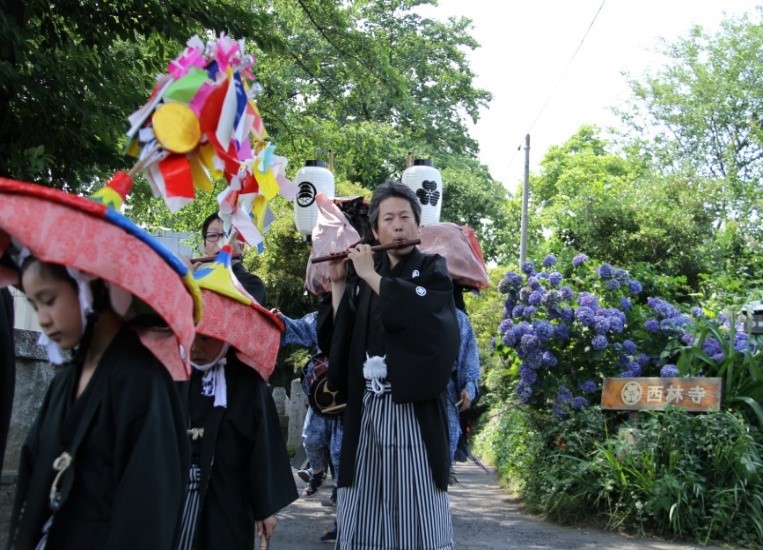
(33, 375)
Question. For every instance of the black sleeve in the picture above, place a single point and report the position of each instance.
(271, 484)
(336, 334)
(251, 282)
(325, 323)
(151, 459)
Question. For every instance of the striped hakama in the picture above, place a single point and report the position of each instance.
(190, 509)
(393, 502)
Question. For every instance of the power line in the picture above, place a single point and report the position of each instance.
(564, 72)
(558, 81)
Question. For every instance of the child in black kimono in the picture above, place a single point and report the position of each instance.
(240, 474)
(101, 466)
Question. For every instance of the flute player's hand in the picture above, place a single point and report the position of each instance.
(362, 258)
(338, 270)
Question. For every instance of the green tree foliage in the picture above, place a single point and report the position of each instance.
(471, 197)
(614, 207)
(699, 117)
(370, 81)
(376, 61)
(72, 71)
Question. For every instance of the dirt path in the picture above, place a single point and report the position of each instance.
(484, 516)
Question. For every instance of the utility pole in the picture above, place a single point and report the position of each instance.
(525, 193)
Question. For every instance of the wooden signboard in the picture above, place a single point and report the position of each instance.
(637, 394)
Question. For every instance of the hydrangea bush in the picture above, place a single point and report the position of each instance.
(564, 333)
(568, 332)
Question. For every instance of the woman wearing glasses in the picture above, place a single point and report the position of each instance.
(214, 237)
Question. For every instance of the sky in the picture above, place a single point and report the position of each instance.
(541, 86)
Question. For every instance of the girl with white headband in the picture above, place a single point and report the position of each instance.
(102, 464)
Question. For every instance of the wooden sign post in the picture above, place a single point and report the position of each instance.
(637, 394)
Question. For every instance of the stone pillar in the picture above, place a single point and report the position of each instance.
(282, 406)
(297, 412)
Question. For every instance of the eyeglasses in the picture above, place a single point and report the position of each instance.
(213, 237)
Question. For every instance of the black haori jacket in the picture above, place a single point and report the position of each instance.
(413, 322)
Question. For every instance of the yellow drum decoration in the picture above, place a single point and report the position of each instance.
(176, 127)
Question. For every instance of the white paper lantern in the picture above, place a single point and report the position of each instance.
(425, 180)
(311, 179)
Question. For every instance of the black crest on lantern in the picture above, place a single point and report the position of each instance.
(306, 194)
(428, 194)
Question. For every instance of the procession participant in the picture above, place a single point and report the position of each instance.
(240, 474)
(213, 233)
(392, 344)
(101, 465)
(464, 381)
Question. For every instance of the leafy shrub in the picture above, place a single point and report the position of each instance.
(677, 474)
(686, 475)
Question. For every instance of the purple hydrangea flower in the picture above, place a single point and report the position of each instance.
(579, 403)
(529, 342)
(561, 333)
(662, 308)
(533, 283)
(518, 311)
(559, 412)
(528, 375)
(616, 324)
(567, 314)
(601, 324)
(514, 278)
(528, 268)
(606, 271)
(504, 285)
(697, 312)
(740, 341)
(635, 287)
(544, 330)
(551, 299)
(567, 293)
(625, 303)
(510, 338)
(524, 293)
(529, 311)
(652, 325)
(668, 371)
(535, 298)
(549, 260)
(599, 342)
(534, 358)
(563, 394)
(555, 278)
(549, 359)
(588, 300)
(629, 347)
(579, 260)
(524, 392)
(585, 316)
(588, 386)
(612, 285)
(505, 325)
